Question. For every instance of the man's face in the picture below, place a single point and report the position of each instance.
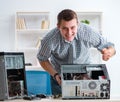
(68, 29)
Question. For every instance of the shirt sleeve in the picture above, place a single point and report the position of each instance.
(95, 39)
(44, 51)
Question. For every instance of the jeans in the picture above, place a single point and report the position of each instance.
(55, 87)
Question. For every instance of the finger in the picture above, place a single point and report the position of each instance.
(58, 79)
(104, 50)
(107, 54)
(105, 58)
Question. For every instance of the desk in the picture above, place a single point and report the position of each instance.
(60, 100)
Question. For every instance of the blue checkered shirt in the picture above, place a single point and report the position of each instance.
(58, 51)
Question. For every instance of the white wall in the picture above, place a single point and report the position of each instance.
(111, 21)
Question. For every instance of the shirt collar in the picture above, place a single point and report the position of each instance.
(76, 37)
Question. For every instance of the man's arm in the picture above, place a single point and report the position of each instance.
(107, 53)
(49, 68)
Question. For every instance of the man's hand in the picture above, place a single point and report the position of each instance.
(107, 53)
(58, 79)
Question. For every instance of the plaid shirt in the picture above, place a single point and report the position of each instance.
(58, 51)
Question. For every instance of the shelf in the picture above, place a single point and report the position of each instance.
(94, 19)
(28, 41)
(30, 31)
(30, 28)
(27, 49)
(32, 20)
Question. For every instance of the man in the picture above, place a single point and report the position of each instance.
(69, 43)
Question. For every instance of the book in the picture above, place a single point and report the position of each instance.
(44, 24)
(38, 43)
(20, 23)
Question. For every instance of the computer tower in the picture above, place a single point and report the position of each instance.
(12, 75)
(85, 81)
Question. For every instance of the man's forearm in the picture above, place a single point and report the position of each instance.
(48, 67)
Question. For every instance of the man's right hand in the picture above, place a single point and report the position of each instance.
(58, 79)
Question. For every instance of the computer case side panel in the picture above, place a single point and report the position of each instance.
(12, 75)
(3, 81)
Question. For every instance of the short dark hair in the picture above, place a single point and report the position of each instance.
(66, 15)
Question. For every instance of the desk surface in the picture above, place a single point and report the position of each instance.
(60, 100)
